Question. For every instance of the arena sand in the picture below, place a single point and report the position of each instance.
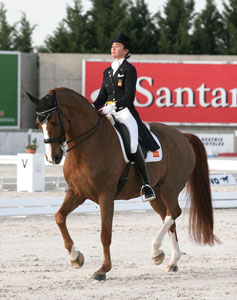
(35, 265)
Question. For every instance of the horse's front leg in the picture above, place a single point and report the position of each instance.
(71, 201)
(107, 211)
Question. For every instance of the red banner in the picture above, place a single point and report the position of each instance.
(177, 92)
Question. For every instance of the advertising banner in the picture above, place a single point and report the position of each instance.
(9, 90)
(217, 143)
(177, 93)
(222, 179)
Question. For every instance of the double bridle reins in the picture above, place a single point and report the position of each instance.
(44, 115)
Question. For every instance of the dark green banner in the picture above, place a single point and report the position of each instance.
(9, 89)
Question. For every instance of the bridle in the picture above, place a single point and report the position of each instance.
(43, 116)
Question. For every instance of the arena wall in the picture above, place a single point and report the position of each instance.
(29, 83)
(57, 70)
(13, 140)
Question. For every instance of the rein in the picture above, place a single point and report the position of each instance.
(43, 116)
(90, 132)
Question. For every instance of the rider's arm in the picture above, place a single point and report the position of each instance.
(130, 81)
(102, 97)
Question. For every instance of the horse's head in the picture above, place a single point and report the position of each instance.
(53, 123)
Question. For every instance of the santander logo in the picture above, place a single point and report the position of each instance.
(194, 93)
(165, 97)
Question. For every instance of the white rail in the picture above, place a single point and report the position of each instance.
(50, 205)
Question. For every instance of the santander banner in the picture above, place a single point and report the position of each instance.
(192, 93)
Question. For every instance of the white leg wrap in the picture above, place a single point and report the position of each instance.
(156, 243)
(74, 254)
(176, 254)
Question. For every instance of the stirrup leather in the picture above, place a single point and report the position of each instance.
(144, 199)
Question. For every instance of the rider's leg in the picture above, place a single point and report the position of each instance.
(142, 171)
(124, 116)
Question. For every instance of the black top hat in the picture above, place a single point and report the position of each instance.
(123, 39)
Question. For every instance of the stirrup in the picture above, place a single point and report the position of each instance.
(150, 196)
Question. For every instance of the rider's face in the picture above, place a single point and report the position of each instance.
(118, 51)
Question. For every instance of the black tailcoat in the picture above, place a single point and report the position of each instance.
(121, 87)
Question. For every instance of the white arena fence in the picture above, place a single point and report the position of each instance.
(22, 206)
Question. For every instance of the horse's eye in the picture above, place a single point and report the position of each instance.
(54, 124)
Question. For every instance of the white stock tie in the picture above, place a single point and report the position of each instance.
(115, 65)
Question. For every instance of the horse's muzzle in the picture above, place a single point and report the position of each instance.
(58, 157)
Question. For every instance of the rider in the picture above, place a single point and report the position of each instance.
(117, 93)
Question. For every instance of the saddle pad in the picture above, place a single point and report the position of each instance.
(152, 156)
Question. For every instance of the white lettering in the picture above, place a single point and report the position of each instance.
(202, 95)
(221, 100)
(184, 97)
(234, 98)
(166, 99)
(179, 97)
(94, 95)
(144, 92)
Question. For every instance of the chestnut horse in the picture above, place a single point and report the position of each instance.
(93, 168)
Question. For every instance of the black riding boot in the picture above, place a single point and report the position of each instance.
(140, 164)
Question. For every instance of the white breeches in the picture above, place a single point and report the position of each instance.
(124, 116)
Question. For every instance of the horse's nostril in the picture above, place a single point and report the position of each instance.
(57, 159)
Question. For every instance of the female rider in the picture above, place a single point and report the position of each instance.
(117, 93)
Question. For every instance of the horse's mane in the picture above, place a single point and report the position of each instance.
(73, 95)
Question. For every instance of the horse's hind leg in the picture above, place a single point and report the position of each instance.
(158, 205)
(71, 201)
(168, 214)
(158, 254)
(176, 254)
(174, 211)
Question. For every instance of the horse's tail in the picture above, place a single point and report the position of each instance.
(201, 211)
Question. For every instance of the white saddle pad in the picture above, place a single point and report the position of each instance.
(152, 156)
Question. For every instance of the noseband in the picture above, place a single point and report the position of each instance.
(43, 116)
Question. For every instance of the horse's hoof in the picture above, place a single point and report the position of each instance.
(99, 276)
(159, 259)
(79, 262)
(171, 268)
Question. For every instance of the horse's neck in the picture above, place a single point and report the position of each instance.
(81, 113)
(84, 121)
(94, 143)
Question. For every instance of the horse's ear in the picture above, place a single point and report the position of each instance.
(54, 94)
(32, 98)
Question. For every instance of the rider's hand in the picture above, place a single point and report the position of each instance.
(108, 108)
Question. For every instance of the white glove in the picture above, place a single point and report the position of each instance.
(108, 108)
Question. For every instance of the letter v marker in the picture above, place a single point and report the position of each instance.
(24, 162)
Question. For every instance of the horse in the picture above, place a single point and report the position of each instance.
(94, 163)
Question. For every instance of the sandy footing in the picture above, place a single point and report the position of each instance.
(35, 265)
